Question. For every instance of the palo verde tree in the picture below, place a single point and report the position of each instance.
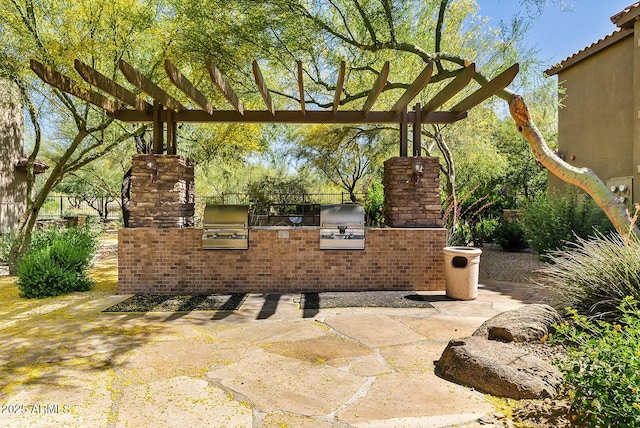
(368, 33)
(345, 155)
(99, 33)
(413, 33)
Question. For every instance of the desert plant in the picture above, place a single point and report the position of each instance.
(510, 236)
(461, 215)
(594, 275)
(551, 222)
(484, 230)
(56, 263)
(602, 368)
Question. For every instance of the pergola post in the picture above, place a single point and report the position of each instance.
(404, 133)
(417, 131)
(158, 129)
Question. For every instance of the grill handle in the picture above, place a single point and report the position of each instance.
(224, 225)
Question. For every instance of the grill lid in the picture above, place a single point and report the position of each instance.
(225, 227)
(342, 215)
(225, 216)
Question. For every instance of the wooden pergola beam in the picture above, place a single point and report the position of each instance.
(287, 116)
(140, 81)
(182, 83)
(221, 83)
(414, 89)
(377, 88)
(99, 80)
(65, 84)
(456, 85)
(303, 108)
(262, 87)
(487, 90)
(339, 86)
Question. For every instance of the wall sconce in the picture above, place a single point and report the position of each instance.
(152, 167)
(418, 169)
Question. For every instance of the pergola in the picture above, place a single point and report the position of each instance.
(166, 110)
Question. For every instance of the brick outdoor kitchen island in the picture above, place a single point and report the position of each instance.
(160, 252)
(166, 255)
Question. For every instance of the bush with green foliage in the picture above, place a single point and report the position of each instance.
(276, 190)
(594, 275)
(602, 367)
(511, 236)
(374, 204)
(56, 263)
(551, 222)
(461, 217)
(484, 229)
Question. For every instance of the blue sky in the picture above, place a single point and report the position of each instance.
(558, 33)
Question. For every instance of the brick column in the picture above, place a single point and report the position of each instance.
(162, 191)
(412, 199)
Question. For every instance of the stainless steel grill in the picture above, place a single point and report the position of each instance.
(225, 227)
(342, 227)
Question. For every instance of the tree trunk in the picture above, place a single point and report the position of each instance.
(583, 178)
(126, 197)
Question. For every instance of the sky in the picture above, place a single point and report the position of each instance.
(558, 33)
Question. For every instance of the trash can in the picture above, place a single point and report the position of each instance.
(461, 266)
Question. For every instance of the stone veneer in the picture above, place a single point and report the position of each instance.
(411, 200)
(162, 191)
(171, 260)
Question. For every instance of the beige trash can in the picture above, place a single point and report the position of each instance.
(461, 267)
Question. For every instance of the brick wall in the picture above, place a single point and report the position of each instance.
(162, 191)
(411, 200)
(170, 260)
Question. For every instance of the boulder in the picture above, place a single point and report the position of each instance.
(526, 324)
(500, 369)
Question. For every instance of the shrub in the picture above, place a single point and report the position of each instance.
(550, 223)
(5, 246)
(603, 367)
(56, 263)
(510, 236)
(594, 275)
(484, 230)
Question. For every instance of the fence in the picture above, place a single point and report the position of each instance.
(59, 206)
(279, 207)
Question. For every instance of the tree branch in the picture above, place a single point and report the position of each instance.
(367, 22)
(439, 26)
(583, 178)
(389, 16)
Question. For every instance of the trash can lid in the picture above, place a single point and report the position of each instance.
(463, 251)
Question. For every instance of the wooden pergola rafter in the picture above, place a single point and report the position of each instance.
(165, 109)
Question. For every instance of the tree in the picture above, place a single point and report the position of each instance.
(345, 155)
(99, 33)
(356, 28)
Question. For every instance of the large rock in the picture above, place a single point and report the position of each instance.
(526, 324)
(500, 369)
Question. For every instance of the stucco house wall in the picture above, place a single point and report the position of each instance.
(13, 181)
(598, 115)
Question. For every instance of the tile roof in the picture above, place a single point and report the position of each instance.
(623, 19)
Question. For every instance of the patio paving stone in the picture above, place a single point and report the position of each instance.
(268, 364)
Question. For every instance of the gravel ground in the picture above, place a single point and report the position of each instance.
(499, 265)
